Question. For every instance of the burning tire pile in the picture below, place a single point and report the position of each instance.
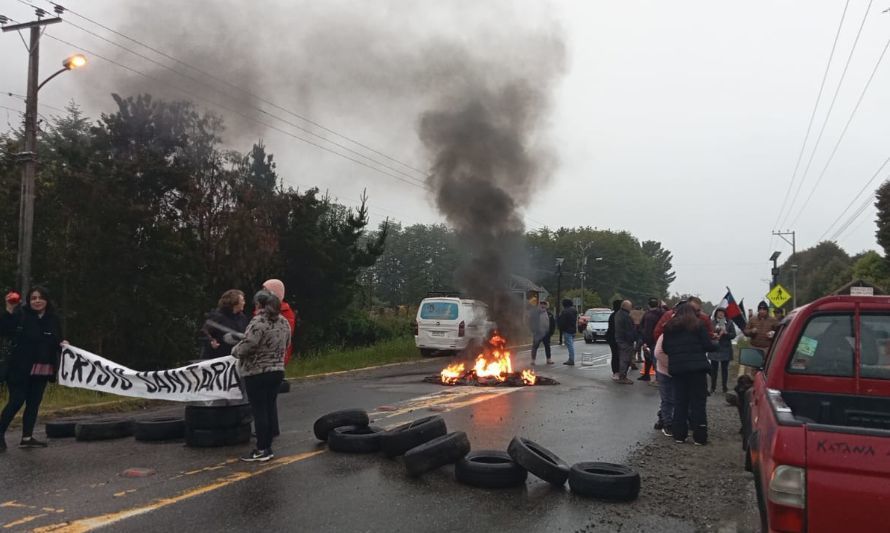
(425, 444)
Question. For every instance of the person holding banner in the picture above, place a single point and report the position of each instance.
(229, 314)
(36, 333)
(261, 365)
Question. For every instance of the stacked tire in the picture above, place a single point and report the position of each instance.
(212, 426)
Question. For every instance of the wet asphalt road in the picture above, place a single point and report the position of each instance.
(77, 486)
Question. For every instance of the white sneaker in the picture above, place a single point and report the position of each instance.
(615, 377)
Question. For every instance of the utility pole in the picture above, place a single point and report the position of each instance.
(793, 243)
(556, 308)
(29, 155)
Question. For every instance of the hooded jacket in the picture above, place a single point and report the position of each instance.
(687, 350)
(35, 340)
(568, 320)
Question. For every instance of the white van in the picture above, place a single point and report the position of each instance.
(450, 324)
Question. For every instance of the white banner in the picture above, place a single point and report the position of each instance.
(214, 379)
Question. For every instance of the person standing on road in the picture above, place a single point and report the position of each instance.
(625, 338)
(665, 418)
(36, 334)
(725, 331)
(542, 325)
(696, 304)
(229, 313)
(261, 365)
(276, 287)
(610, 339)
(686, 342)
(647, 333)
(568, 325)
(761, 328)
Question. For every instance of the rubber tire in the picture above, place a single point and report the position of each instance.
(607, 481)
(399, 440)
(217, 417)
(159, 429)
(539, 461)
(355, 439)
(489, 469)
(62, 428)
(347, 417)
(284, 387)
(211, 438)
(438, 452)
(110, 428)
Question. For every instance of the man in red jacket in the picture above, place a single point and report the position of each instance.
(695, 302)
(276, 287)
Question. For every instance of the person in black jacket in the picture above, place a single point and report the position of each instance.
(37, 337)
(686, 343)
(229, 313)
(568, 325)
(610, 339)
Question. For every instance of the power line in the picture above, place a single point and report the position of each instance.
(853, 217)
(227, 83)
(812, 115)
(843, 132)
(837, 91)
(864, 187)
(23, 97)
(239, 113)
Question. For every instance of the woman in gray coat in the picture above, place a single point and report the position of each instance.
(725, 330)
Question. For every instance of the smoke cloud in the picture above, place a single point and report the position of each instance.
(473, 80)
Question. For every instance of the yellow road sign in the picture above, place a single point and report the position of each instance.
(779, 295)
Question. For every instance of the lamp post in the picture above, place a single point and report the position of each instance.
(29, 155)
(559, 261)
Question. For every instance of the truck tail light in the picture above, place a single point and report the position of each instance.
(414, 328)
(787, 498)
(461, 329)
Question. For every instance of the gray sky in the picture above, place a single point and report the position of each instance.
(677, 121)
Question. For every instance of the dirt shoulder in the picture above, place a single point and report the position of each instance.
(686, 487)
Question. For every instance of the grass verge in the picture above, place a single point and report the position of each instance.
(391, 351)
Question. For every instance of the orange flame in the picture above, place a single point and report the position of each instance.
(452, 373)
(529, 377)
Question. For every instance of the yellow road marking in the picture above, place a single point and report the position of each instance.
(13, 503)
(24, 520)
(87, 524)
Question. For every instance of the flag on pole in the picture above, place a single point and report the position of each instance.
(734, 311)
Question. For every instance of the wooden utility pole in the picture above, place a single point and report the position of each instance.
(28, 156)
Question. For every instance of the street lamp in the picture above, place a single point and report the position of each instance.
(29, 156)
(775, 272)
(559, 261)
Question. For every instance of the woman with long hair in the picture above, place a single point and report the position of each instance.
(36, 334)
(229, 314)
(261, 365)
(687, 343)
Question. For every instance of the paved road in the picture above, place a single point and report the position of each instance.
(77, 486)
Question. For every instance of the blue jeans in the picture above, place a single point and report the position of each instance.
(569, 339)
(666, 391)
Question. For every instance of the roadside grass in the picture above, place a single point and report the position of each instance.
(391, 351)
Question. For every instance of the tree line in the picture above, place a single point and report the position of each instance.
(143, 219)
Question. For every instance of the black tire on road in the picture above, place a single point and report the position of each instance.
(112, 428)
(489, 469)
(62, 428)
(159, 429)
(399, 440)
(539, 461)
(355, 439)
(438, 452)
(284, 387)
(217, 417)
(606, 481)
(210, 438)
(347, 417)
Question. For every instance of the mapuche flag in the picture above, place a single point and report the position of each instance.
(733, 311)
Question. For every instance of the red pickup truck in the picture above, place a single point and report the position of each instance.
(818, 418)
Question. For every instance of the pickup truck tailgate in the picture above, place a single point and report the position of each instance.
(848, 479)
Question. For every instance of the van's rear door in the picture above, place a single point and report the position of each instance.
(848, 478)
(437, 323)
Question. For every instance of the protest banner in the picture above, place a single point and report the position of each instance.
(214, 379)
